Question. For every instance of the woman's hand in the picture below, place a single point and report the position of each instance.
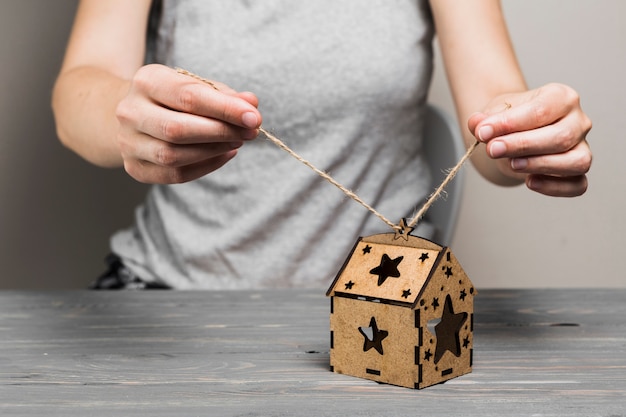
(538, 135)
(174, 128)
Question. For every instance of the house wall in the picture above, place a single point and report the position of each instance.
(57, 211)
(396, 364)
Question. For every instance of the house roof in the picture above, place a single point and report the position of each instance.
(388, 269)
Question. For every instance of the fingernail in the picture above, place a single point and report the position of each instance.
(497, 149)
(485, 133)
(519, 163)
(534, 183)
(250, 120)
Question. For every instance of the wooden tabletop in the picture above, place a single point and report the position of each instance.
(266, 353)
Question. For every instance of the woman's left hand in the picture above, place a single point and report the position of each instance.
(539, 135)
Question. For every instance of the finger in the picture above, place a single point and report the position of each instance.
(176, 127)
(186, 94)
(202, 100)
(558, 186)
(182, 128)
(147, 172)
(556, 138)
(525, 117)
(474, 120)
(249, 97)
(169, 155)
(530, 110)
(575, 162)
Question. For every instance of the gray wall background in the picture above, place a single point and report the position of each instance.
(57, 211)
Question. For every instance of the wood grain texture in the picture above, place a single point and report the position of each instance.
(265, 353)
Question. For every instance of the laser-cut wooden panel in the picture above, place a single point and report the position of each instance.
(351, 353)
(389, 272)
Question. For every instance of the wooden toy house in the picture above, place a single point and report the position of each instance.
(401, 313)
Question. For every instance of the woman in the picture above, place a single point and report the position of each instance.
(345, 85)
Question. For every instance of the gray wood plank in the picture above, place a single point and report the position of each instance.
(265, 353)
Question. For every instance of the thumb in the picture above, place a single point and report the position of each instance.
(473, 122)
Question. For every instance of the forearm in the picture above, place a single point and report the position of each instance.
(536, 136)
(105, 49)
(84, 102)
(480, 66)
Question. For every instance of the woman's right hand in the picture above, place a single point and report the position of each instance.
(174, 128)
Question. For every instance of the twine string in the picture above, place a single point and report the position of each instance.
(397, 227)
(327, 177)
(440, 190)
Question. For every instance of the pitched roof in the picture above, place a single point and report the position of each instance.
(388, 269)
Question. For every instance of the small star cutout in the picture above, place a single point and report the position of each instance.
(448, 270)
(423, 257)
(373, 337)
(403, 231)
(388, 268)
(367, 249)
(427, 355)
(447, 331)
(349, 285)
(463, 295)
(406, 293)
(466, 342)
(435, 303)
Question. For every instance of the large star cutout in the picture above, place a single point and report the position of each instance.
(448, 331)
(388, 268)
(373, 337)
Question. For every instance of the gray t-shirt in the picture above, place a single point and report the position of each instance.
(344, 84)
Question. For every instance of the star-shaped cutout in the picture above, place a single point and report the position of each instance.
(448, 331)
(388, 268)
(463, 295)
(349, 285)
(373, 337)
(403, 230)
(427, 355)
(423, 257)
(435, 303)
(448, 270)
(406, 293)
(367, 249)
(466, 342)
